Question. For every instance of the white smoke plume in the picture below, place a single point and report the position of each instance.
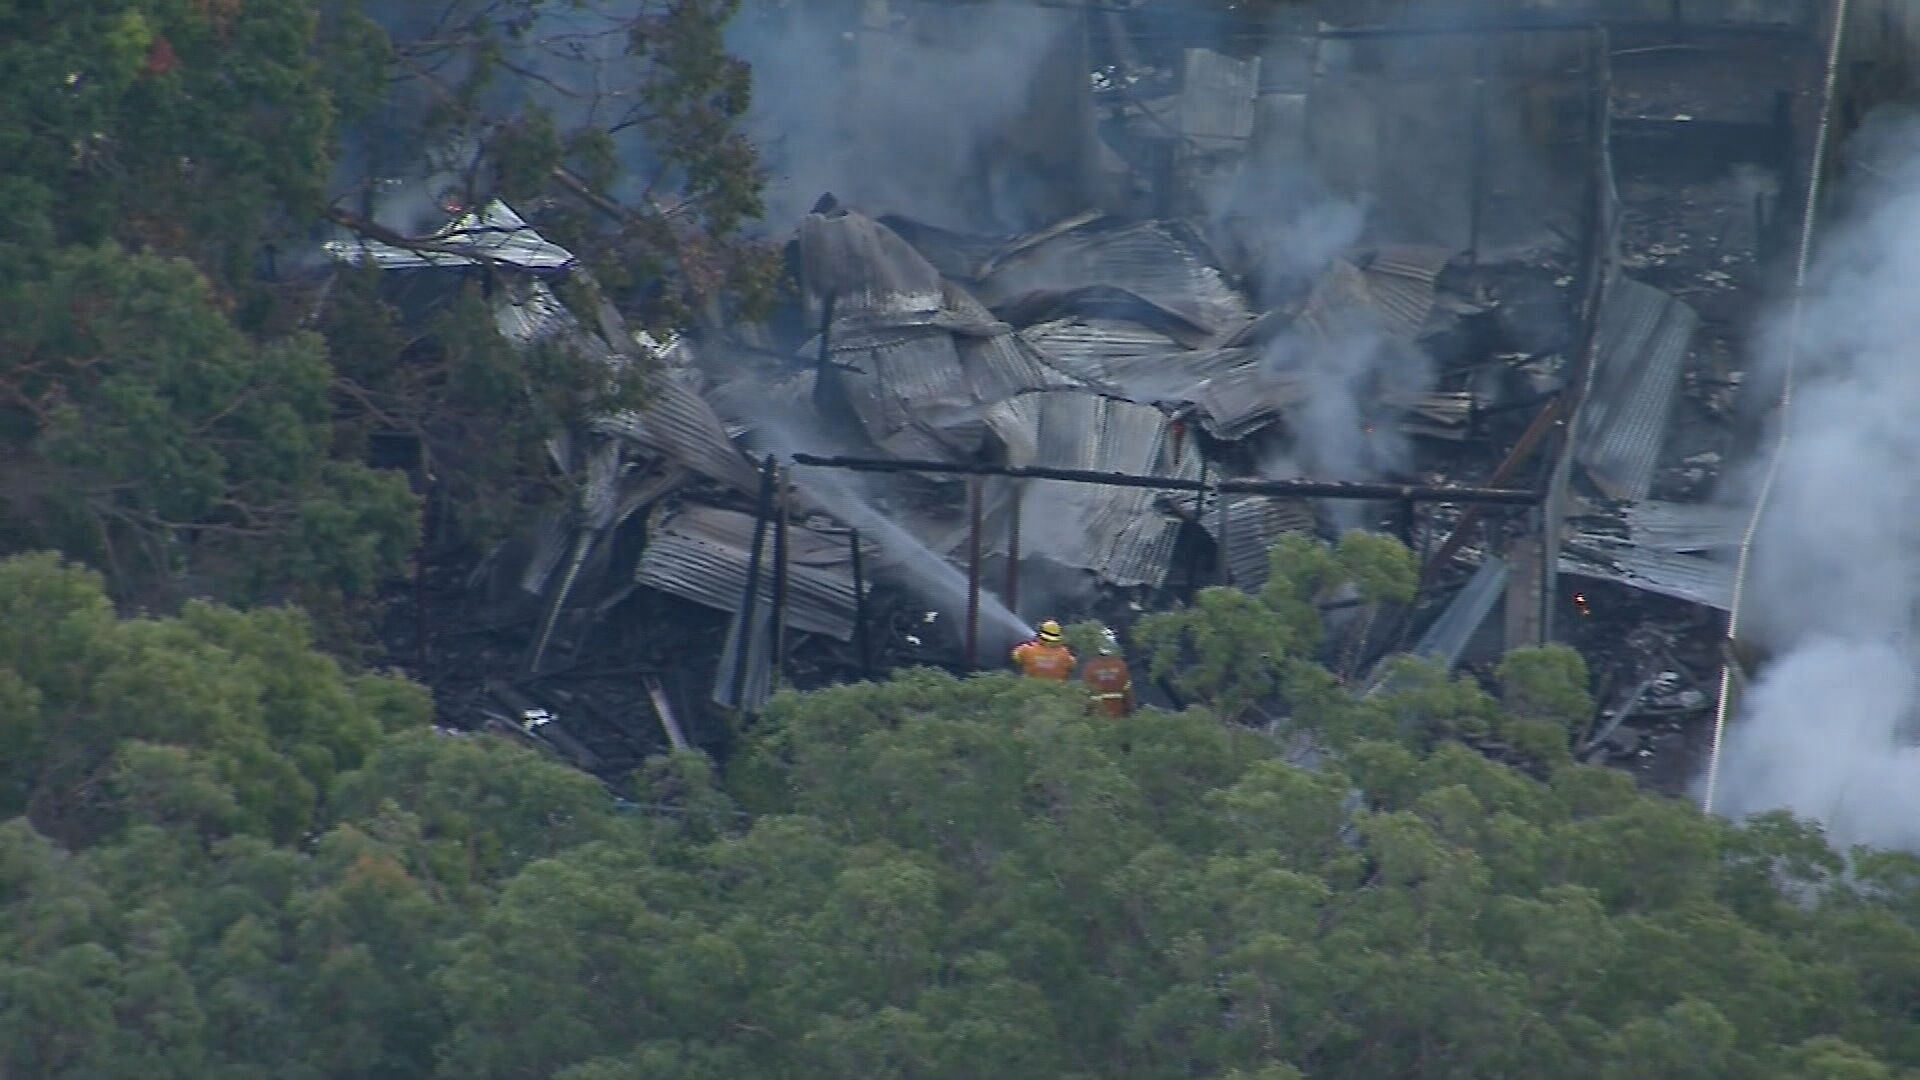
(917, 112)
(1834, 590)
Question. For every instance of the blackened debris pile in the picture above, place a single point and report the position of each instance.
(1339, 254)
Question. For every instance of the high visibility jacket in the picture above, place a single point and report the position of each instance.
(1044, 661)
(1109, 685)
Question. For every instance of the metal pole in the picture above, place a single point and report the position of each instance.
(780, 572)
(1013, 551)
(860, 610)
(1199, 518)
(750, 595)
(1318, 489)
(973, 572)
(1226, 549)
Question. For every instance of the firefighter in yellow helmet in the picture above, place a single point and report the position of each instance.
(1045, 655)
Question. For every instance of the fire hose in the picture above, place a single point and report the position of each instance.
(1783, 411)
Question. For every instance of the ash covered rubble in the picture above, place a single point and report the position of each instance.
(1178, 328)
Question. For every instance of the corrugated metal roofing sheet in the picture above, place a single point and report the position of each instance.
(1161, 262)
(1122, 534)
(1089, 346)
(869, 271)
(1644, 336)
(1697, 579)
(678, 424)
(911, 395)
(1254, 524)
(1216, 97)
(700, 553)
(1005, 365)
(1401, 279)
(1671, 526)
(494, 235)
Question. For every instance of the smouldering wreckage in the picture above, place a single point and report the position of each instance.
(1506, 350)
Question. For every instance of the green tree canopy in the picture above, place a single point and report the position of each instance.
(926, 877)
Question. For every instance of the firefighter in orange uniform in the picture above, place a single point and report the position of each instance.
(1045, 655)
(1109, 683)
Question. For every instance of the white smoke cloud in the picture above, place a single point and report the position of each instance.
(919, 116)
(1834, 589)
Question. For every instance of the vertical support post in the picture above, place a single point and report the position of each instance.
(861, 642)
(1225, 559)
(1199, 516)
(749, 597)
(973, 571)
(781, 568)
(1013, 550)
(1406, 523)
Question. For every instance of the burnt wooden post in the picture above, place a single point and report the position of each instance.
(973, 571)
(860, 609)
(1013, 552)
(750, 596)
(781, 568)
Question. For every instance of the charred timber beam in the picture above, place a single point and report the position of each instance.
(1517, 455)
(1322, 489)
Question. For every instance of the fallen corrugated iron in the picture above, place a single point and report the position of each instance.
(1401, 279)
(1681, 550)
(868, 271)
(1671, 526)
(1241, 400)
(1254, 524)
(1161, 262)
(701, 553)
(1391, 290)
(909, 394)
(1124, 535)
(1102, 302)
(1644, 335)
(1696, 579)
(678, 424)
(495, 235)
(1215, 105)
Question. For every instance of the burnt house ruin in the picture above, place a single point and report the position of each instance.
(1548, 231)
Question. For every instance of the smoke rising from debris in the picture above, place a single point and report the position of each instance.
(920, 115)
(1834, 591)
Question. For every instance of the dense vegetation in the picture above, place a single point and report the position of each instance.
(237, 860)
(186, 401)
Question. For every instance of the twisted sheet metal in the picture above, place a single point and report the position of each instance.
(700, 553)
